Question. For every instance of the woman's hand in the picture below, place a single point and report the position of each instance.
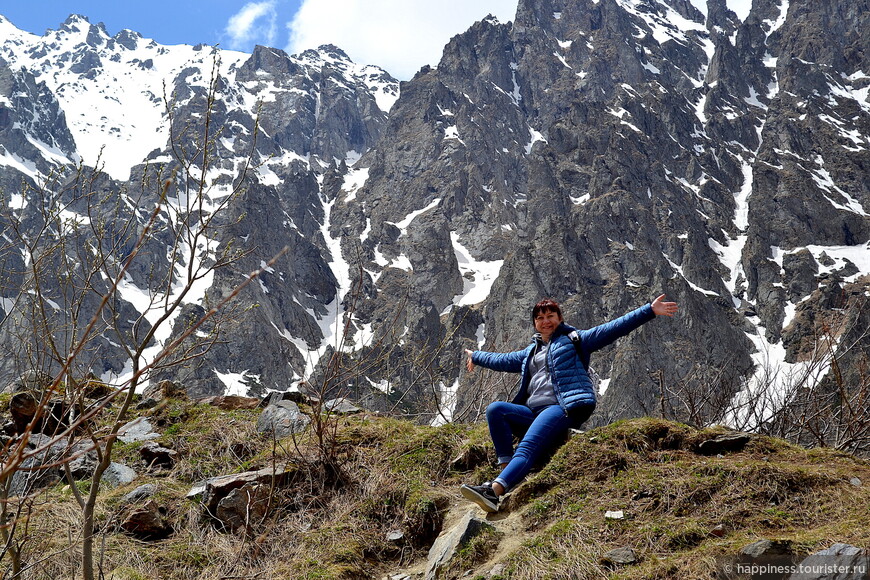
(662, 308)
(468, 364)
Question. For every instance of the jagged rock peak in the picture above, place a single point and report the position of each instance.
(720, 18)
(77, 30)
(271, 61)
(325, 52)
(128, 38)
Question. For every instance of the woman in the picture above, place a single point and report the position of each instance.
(555, 393)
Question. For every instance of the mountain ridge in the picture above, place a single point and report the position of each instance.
(598, 152)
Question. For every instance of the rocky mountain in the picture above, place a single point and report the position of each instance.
(598, 152)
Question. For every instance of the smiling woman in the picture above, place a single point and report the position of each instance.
(555, 392)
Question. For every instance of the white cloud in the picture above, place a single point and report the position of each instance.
(255, 22)
(400, 36)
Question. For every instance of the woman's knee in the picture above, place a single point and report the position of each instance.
(497, 409)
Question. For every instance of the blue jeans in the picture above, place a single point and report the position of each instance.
(540, 429)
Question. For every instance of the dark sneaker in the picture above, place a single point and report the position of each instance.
(482, 495)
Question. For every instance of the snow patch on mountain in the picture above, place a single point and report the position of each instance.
(478, 276)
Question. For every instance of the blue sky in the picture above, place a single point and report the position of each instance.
(398, 35)
(176, 22)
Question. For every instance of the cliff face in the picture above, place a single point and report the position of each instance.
(596, 152)
(609, 151)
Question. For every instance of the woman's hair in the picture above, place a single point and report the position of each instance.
(546, 305)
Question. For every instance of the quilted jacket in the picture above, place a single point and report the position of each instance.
(567, 366)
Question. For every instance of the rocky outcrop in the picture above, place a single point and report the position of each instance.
(239, 500)
(448, 544)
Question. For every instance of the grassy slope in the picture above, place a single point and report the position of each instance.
(398, 476)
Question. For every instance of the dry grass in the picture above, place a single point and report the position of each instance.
(673, 499)
(394, 475)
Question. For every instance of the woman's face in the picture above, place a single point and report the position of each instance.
(546, 322)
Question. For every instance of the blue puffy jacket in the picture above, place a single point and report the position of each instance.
(571, 381)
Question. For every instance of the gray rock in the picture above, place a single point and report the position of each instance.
(230, 402)
(83, 459)
(619, 557)
(118, 474)
(395, 536)
(448, 544)
(726, 443)
(839, 562)
(282, 420)
(40, 469)
(34, 381)
(341, 406)
(138, 429)
(767, 548)
(147, 403)
(140, 494)
(164, 389)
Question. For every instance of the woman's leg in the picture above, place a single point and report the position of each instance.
(506, 420)
(546, 430)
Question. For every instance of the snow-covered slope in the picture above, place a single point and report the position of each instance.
(114, 90)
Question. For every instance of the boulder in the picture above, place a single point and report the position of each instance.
(147, 522)
(244, 506)
(94, 388)
(619, 557)
(140, 494)
(282, 420)
(118, 474)
(138, 429)
(725, 443)
(164, 390)
(764, 548)
(277, 396)
(449, 543)
(83, 459)
(36, 381)
(211, 491)
(155, 454)
(22, 407)
(341, 406)
(839, 562)
(39, 469)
